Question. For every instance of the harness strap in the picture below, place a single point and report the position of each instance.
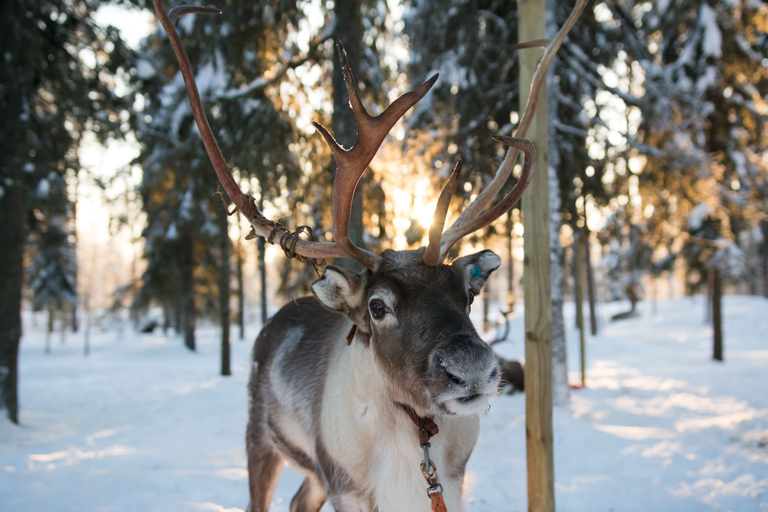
(427, 429)
(427, 426)
(351, 336)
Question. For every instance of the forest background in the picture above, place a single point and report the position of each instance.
(108, 205)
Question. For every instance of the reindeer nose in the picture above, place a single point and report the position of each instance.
(468, 364)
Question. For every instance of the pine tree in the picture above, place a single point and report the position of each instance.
(57, 81)
(232, 55)
(701, 134)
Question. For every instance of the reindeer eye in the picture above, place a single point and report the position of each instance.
(377, 309)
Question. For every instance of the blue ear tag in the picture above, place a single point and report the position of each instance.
(475, 271)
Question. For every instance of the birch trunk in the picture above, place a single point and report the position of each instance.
(560, 388)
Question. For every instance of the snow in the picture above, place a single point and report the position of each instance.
(697, 216)
(143, 424)
(713, 38)
(145, 70)
(43, 188)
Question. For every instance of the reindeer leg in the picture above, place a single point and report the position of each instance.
(265, 464)
(310, 497)
(264, 468)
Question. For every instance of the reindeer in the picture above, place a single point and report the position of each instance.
(374, 391)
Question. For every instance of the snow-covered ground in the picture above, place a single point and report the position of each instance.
(144, 425)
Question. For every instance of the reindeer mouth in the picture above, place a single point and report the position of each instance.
(470, 398)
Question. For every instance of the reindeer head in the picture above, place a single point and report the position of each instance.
(415, 320)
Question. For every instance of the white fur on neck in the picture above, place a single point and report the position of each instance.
(376, 442)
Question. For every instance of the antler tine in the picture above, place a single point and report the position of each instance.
(351, 164)
(486, 195)
(177, 12)
(268, 229)
(432, 252)
(456, 233)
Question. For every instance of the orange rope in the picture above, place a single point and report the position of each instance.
(438, 505)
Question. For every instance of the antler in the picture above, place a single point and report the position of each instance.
(473, 217)
(350, 163)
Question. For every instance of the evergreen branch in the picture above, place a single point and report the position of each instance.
(261, 83)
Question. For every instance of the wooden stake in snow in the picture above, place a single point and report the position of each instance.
(536, 279)
(536, 263)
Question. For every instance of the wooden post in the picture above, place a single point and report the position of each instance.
(717, 314)
(580, 254)
(536, 278)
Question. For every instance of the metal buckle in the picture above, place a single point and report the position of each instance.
(428, 469)
(437, 488)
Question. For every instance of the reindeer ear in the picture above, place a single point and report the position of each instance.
(339, 290)
(476, 268)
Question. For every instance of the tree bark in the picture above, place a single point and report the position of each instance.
(537, 282)
(63, 319)
(710, 294)
(717, 314)
(178, 302)
(225, 274)
(74, 320)
(349, 29)
(240, 288)
(166, 318)
(579, 276)
(590, 278)
(561, 390)
(49, 330)
(12, 237)
(187, 284)
(88, 321)
(764, 229)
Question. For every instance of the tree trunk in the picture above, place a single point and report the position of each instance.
(89, 318)
(349, 29)
(73, 320)
(178, 302)
(187, 274)
(240, 288)
(764, 229)
(590, 279)
(710, 290)
(12, 237)
(537, 281)
(225, 274)
(561, 390)
(63, 320)
(189, 321)
(717, 314)
(49, 330)
(579, 277)
(166, 318)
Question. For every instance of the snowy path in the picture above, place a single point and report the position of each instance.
(143, 425)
